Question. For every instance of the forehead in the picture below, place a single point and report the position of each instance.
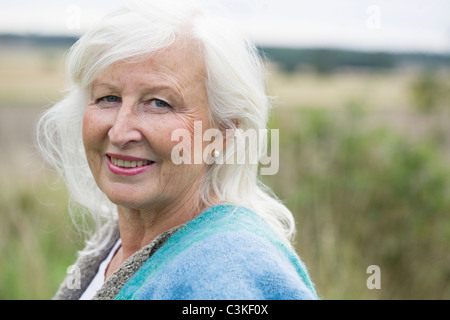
(176, 63)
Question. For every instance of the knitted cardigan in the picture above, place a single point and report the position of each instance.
(226, 253)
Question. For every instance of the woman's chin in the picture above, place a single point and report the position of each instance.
(125, 200)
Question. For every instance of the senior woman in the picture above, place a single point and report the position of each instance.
(164, 229)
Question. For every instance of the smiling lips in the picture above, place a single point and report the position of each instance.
(126, 165)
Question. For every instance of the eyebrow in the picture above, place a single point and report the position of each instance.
(147, 88)
(102, 84)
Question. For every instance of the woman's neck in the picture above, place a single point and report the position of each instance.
(138, 227)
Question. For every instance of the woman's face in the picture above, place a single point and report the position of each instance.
(127, 128)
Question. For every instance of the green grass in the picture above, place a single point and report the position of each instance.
(37, 242)
(366, 195)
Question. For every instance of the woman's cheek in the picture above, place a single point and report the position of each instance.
(95, 125)
(94, 133)
(165, 135)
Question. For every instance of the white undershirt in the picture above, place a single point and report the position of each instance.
(99, 279)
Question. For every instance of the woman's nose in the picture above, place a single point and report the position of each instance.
(124, 130)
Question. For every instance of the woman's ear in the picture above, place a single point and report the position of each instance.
(228, 133)
(220, 139)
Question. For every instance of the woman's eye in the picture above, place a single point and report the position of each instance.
(114, 99)
(109, 99)
(160, 103)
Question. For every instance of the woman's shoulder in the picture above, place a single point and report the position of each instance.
(228, 252)
(236, 265)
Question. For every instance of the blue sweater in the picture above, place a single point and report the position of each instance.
(226, 253)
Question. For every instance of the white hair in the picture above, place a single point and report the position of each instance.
(236, 95)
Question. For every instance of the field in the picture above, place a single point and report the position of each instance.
(363, 166)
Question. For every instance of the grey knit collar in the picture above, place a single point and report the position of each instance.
(117, 280)
(88, 265)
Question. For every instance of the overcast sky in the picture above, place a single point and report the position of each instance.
(389, 25)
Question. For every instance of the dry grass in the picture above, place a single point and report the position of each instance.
(30, 76)
(376, 90)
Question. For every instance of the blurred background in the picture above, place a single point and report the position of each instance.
(362, 103)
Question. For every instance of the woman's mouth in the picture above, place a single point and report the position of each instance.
(129, 164)
(126, 165)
